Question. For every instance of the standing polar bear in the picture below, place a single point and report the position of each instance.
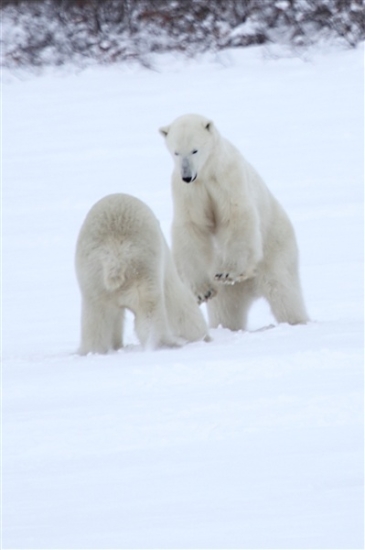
(231, 240)
(123, 261)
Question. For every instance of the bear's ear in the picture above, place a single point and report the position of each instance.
(164, 130)
(209, 126)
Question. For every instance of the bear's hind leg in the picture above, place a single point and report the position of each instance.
(231, 305)
(286, 300)
(97, 327)
(118, 324)
(151, 323)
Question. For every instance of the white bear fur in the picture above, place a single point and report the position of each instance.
(231, 240)
(123, 261)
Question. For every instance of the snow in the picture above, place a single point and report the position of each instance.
(254, 440)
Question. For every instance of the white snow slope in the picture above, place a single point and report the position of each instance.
(254, 440)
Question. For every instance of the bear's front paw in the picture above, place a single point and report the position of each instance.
(232, 278)
(225, 278)
(206, 295)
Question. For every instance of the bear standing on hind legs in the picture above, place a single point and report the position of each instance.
(231, 240)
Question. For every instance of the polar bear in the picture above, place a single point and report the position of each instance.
(123, 261)
(231, 240)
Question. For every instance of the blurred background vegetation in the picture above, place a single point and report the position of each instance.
(53, 32)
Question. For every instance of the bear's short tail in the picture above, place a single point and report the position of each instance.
(115, 265)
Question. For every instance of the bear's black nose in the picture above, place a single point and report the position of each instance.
(187, 179)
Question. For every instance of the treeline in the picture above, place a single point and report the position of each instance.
(52, 32)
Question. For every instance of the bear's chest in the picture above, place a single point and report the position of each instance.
(203, 208)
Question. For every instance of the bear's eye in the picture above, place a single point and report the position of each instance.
(176, 154)
(194, 152)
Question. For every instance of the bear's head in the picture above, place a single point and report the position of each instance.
(190, 140)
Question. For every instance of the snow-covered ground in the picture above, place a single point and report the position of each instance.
(254, 440)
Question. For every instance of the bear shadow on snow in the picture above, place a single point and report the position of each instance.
(232, 241)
